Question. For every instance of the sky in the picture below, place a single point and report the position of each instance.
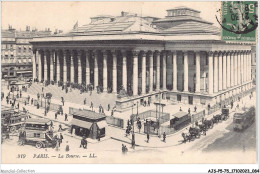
(64, 15)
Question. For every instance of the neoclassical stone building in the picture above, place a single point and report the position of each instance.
(180, 55)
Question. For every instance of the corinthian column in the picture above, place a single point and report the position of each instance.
(65, 78)
(210, 74)
(104, 71)
(40, 66)
(220, 81)
(164, 54)
(51, 65)
(87, 68)
(71, 67)
(143, 73)
(150, 57)
(186, 72)
(45, 65)
(216, 73)
(79, 68)
(135, 72)
(224, 71)
(95, 69)
(197, 90)
(58, 66)
(114, 71)
(174, 62)
(157, 54)
(124, 74)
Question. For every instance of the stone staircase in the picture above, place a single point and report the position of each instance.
(75, 97)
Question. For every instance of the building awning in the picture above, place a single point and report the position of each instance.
(80, 123)
(102, 124)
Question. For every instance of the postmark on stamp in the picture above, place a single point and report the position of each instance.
(239, 20)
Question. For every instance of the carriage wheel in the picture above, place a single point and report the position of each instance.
(12, 129)
(39, 145)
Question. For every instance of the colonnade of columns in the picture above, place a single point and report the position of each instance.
(230, 69)
(225, 69)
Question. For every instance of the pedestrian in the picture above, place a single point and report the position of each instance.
(28, 99)
(56, 115)
(108, 107)
(45, 113)
(42, 89)
(164, 137)
(133, 140)
(61, 111)
(67, 147)
(85, 101)
(123, 148)
(148, 137)
(57, 145)
(180, 109)
(112, 113)
(66, 117)
(61, 138)
(250, 96)
(91, 105)
(18, 106)
(32, 101)
(195, 109)
(83, 142)
(60, 128)
(51, 124)
(189, 110)
(25, 103)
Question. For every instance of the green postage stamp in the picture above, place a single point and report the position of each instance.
(239, 20)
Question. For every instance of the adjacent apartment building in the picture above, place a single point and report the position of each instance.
(17, 52)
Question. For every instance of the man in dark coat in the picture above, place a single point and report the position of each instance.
(148, 137)
(66, 117)
(61, 138)
(164, 137)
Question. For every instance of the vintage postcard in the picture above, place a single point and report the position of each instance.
(129, 82)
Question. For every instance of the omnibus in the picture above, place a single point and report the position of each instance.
(244, 119)
(37, 132)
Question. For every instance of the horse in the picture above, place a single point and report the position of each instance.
(208, 123)
(186, 137)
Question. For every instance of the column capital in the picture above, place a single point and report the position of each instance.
(157, 52)
(210, 53)
(135, 52)
(168, 53)
(174, 52)
(163, 52)
(185, 53)
(149, 53)
(113, 52)
(124, 53)
(104, 52)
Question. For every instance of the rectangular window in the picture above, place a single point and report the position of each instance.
(11, 46)
(37, 135)
(20, 49)
(24, 49)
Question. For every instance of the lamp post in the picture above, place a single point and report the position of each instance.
(160, 105)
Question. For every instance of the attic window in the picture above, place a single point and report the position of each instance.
(112, 19)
